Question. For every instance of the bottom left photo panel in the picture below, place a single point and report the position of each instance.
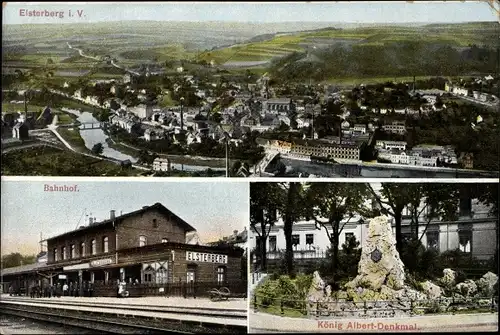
(87, 255)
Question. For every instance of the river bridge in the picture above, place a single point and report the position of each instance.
(91, 125)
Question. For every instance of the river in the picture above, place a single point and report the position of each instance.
(93, 136)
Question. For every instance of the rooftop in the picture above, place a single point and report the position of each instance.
(156, 206)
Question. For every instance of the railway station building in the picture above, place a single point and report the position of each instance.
(145, 248)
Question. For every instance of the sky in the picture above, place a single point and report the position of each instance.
(348, 12)
(214, 209)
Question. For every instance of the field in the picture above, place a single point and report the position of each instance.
(150, 42)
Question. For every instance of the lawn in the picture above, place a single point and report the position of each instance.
(47, 161)
(72, 136)
(8, 107)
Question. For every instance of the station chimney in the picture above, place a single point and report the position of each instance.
(112, 214)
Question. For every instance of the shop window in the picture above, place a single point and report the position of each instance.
(155, 223)
(221, 274)
(63, 253)
(295, 241)
(272, 243)
(72, 251)
(105, 245)
(56, 258)
(94, 247)
(142, 241)
(164, 240)
(82, 249)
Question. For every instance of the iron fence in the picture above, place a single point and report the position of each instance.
(368, 308)
(182, 289)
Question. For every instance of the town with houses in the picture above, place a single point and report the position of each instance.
(318, 124)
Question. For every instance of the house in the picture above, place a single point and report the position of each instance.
(278, 105)
(466, 159)
(473, 232)
(360, 128)
(303, 123)
(20, 131)
(389, 145)
(396, 127)
(152, 134)
(142, 111)
(161, 164)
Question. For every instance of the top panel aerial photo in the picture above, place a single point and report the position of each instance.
(318, 89)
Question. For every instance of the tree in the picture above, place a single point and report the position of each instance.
(330, 203)
(292, 209)
(16, 259)
(265, 199)
(439, 200)
(97, 149)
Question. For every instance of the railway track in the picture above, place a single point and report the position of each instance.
(116, 319)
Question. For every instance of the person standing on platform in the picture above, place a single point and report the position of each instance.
(91, 289)
(65, 289)
(85, 288)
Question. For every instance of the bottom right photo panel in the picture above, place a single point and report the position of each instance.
(373, 257)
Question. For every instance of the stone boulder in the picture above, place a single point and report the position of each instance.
(380, 263)
(316, 293)
(468, 288)
(449, 278)
(486, 284)
(432, 290)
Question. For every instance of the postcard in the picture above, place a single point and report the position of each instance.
(339, 90)
(92, 254)
(377, 257)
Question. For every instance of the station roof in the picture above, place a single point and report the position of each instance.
(157, 206)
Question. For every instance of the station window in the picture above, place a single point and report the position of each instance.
(94, 247)
(105, 244)
(309, 239)
(142, 241)
(55, 255)
(63, 253)
(82, 249)
(155, 223)
(72, 251)
(221, 274)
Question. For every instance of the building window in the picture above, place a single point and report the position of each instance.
(72, 251)
(221, 274)
(63, 253)
(295, 241)
(465, 206)
(309, 239)
(94, 248)
(433, 240)
(164, 240)
(82, 249)
(272, 243)
(155, 223)
(148, 277)
(55, 255)
(105, 245)
(465, 240)
(142, 241)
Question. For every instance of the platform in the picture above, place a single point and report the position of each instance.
(231, 303)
